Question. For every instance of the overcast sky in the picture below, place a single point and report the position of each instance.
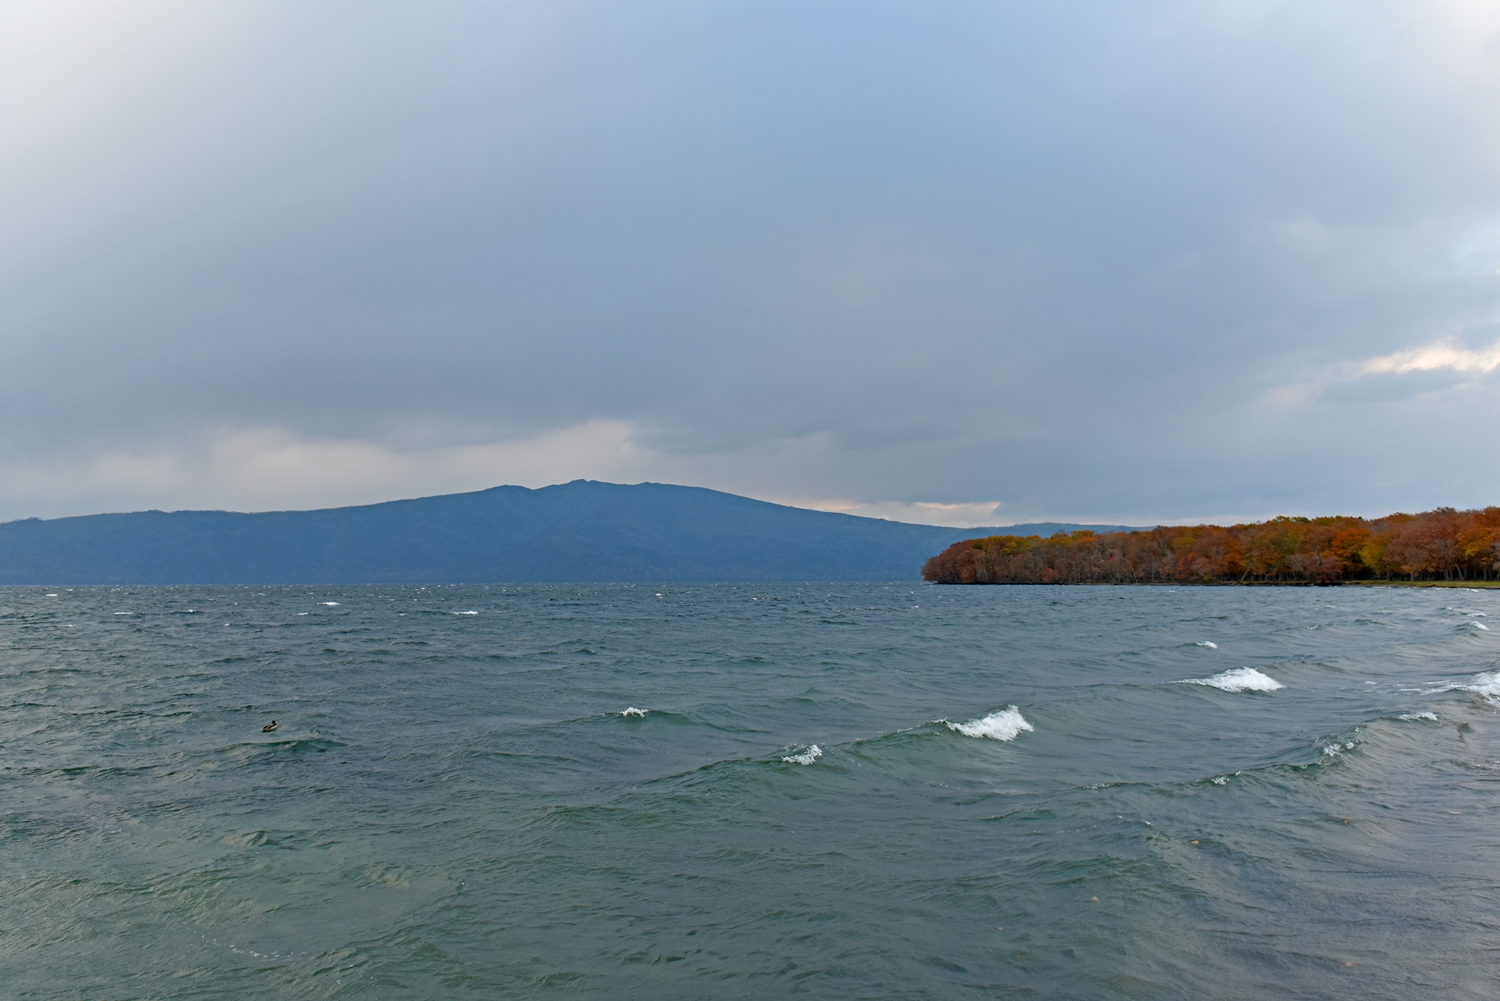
(962, 263)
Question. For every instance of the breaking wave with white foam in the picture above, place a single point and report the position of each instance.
(1238, 679)
(807, 757)
(1004, 724)
(632, 711)
(1414, 716)
(1486, 684)
(1208, 643)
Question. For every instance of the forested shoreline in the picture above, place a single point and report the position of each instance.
(1443, 544)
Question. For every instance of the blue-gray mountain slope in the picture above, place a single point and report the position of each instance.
(581, 531)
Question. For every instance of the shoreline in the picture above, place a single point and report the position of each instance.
(1472, 584)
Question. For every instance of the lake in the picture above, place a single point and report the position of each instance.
(749, 791)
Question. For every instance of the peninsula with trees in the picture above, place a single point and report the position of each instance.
(1440, 545)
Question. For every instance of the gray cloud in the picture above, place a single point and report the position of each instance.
(1076, 260)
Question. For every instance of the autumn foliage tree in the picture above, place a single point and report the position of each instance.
(1444, 544)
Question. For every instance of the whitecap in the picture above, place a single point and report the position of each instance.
(1486, 684)
(807, 757)
(633, 711)
(1478, 625)
(1208, 643)
(330, 604)
(1415, 716)
(1239, 679)
(465, 613)
(1005, 724)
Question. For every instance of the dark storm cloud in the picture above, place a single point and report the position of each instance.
(1085, 260)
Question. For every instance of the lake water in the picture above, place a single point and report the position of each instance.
(758, 791)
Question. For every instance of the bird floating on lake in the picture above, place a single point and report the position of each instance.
(268, 727)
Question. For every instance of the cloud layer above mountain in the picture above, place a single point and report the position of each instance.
(1128, 262)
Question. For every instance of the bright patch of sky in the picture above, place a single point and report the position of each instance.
(963, 263)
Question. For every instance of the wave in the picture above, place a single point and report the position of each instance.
(295, 746)
(812, 753)
(465, 613)
(1414, 716)
(636, 715)
(1208, 643)
(1238, 679)
(1486, 684)
(1004, 724)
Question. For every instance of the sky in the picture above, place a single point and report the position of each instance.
(953, 263)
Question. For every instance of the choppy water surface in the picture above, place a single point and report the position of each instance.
(830, 791)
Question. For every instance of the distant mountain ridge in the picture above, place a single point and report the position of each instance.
(583, 531)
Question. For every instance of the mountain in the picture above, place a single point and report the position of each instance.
(582, 531)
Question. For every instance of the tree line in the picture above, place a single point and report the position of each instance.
(1444, 544)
